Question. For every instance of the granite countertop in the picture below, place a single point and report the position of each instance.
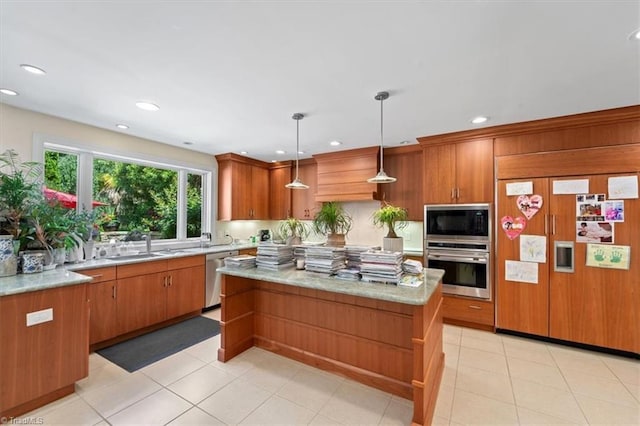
(24, 283)
(401, 294)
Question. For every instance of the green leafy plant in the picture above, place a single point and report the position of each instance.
(391, 216)
(292, 228)
(19, 192)
(332, 219)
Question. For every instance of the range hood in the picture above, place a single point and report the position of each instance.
(342, 176)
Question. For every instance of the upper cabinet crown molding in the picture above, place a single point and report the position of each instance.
(342, 175)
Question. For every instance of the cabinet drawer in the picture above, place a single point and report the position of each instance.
(100, 274)
(471, 310)
(249, 251)
(185, 262)
(142, 268)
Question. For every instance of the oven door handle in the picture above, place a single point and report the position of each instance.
(453, 258)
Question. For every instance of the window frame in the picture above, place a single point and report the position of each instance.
(87, 152)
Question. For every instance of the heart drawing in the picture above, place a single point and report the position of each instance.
(529, 206)
(513, 227)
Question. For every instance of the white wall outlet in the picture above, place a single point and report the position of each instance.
(39, 317)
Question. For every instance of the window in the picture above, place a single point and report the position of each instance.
(130, 197)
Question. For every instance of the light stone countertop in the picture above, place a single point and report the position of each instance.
(24, 283)
(389, 292)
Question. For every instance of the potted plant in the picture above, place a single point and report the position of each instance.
(393, 218)
(293, 230)
(19, 192)
(331, 220)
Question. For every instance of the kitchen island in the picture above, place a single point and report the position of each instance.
(385, 336)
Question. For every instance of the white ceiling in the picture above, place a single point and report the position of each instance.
(229, 75)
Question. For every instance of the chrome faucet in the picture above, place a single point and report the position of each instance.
(147, 238)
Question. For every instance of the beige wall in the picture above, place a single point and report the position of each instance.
(17, 127)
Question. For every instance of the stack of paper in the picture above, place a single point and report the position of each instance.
(411, 266)
(242, 261)
(324, 259)
(381, 266)
(349, 274)
(274, 256)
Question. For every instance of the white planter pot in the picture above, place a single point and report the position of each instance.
(8, 259)
(393, 244)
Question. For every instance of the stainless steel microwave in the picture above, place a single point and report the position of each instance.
(455, 222)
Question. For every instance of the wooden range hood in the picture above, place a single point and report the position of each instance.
(342, 175)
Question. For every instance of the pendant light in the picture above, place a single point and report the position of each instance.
(296, 184)
(381, 177)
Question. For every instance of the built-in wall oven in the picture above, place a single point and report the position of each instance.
(458, 240)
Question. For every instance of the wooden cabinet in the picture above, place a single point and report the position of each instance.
(280, 196)
(303, 201)
(250, 251)
(458, 172)
(144, 294)
(243, 188)
(405, 164)
(102, 303)
(590, 305)
(40, 363)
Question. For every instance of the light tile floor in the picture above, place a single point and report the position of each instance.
(489, 379)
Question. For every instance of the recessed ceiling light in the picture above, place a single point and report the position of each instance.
(405, 142)
(274, 161)
(9, 92)
(32, 69)
(300, 152)
(122, 126)
(279, 152)
(187, 143)
(635, 35)
(244, 152)
(147, 106)
(335, 143)
(479, 119)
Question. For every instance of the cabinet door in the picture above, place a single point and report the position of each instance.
(596, 306)
(522, 306)
(141, 301)
(303, 201)
(406, 192)
(103, 323)
(280, 196)
(439, 174)
(474, 171)
(185, 291)
(242, 191)
(259, 193)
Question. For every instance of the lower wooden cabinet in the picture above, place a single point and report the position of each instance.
(469, 311)
(40, 363)
(131, 297)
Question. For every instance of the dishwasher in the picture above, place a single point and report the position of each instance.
(212, 278)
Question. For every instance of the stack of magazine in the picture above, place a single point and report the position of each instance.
(353, 254)
(241, 261)
(324, 259)
(274, 257)
(381, 266)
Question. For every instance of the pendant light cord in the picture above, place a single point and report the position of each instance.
(381, 138)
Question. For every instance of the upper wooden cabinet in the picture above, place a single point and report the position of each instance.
(458, 172)
(342, 176)
(303, 201)
(280, 196)
(243, 188)
(404, 164)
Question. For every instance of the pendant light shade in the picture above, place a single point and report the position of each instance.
(381, 177)
(297, 184)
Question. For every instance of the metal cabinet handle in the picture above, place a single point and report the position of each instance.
(546, 224)
(164, 284)
(553, 224)
(113, 291)
(453, 193)
(170, 280)
(458, 193)
(475, 307)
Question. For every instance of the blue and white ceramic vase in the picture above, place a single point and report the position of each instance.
(8, 259)
(32, 262)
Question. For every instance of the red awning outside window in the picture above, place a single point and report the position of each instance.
(69, 201)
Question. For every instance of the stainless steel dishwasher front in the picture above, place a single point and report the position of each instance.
(212, 286)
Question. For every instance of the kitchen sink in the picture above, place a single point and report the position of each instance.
(134, 256)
